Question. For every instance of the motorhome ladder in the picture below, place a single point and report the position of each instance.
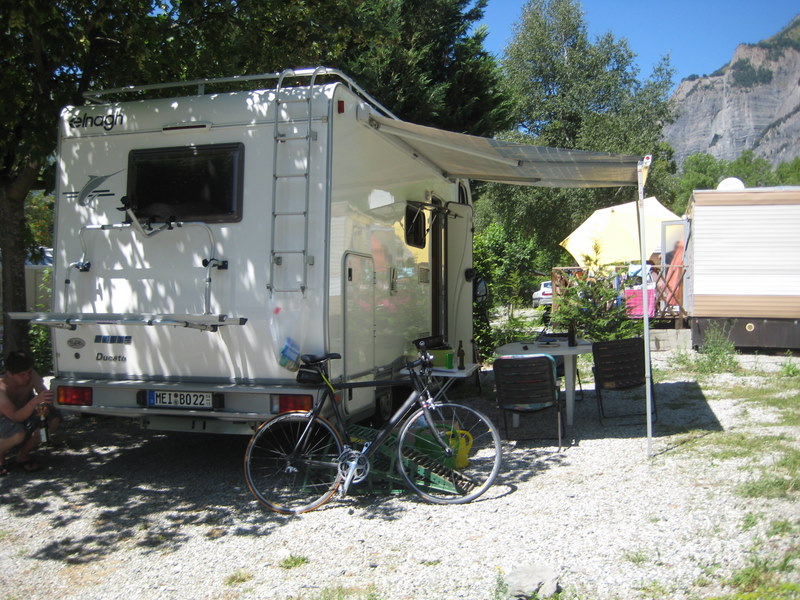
(285, 209)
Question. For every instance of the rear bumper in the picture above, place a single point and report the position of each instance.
(240, 408)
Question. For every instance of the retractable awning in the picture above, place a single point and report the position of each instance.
(461, 156)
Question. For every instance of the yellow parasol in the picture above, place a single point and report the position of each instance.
(616, 231)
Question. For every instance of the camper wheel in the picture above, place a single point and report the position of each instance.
(384, 407)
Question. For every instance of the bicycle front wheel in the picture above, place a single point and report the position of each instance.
(291, 463)
(445, 477)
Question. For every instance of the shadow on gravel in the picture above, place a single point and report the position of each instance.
(128, 488)
(134, 487)
(682, 407)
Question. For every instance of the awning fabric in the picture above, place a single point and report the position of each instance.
(457, 155)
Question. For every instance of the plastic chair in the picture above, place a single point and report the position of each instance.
(527, 384)
(620, 365)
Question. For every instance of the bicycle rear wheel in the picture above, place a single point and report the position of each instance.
(455, 479)
(291, 462)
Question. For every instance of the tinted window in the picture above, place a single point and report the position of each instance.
(194, 183)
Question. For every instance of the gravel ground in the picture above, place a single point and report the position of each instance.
(121, 513)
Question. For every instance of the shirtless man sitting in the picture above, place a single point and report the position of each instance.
(21, 391)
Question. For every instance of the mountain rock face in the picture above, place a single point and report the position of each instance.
(752, 103)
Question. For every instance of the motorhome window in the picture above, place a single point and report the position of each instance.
(415, 226)
(187, 183)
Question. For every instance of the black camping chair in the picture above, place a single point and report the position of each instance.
(620, 365)
(527, 384)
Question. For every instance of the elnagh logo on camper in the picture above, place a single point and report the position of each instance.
(107, 122)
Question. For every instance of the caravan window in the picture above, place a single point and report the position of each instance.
(415, 226)
(188, 183)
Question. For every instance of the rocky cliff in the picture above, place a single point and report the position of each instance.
(751, 103)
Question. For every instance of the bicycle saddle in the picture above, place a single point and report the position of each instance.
(314, 359)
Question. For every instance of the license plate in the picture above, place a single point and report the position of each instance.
(172, 399)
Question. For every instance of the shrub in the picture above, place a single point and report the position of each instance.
(717, 354)
(593, 305)
(746, 75)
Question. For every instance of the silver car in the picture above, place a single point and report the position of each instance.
(544, 295)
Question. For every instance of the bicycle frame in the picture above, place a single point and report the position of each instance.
(446, 453)
(370, 447)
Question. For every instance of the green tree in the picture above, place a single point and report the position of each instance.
(422, 58)
(592, 306)
(789, 173)
(52, 52)
(700, 172)
(704, 172)
(571, 92)
(505, 263)
(425, 60)
(753, 171)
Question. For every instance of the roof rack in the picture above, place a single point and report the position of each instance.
(97, 96)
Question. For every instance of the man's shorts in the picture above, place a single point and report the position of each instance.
(9, 428)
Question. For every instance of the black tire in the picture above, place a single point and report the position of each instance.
(456, 479)
(288, 474)
(384, 409)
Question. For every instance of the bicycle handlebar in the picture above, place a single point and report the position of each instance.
(425, 360)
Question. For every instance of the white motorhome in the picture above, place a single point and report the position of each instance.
(204, 241)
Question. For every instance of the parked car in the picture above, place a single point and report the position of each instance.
(544, 295)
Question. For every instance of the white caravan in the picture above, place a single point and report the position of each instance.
(204, 241)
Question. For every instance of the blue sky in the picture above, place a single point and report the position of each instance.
(698, 35)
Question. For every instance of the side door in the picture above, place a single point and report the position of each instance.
(358, 361)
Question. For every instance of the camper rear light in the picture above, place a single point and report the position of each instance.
(287, 402)
(76, 396)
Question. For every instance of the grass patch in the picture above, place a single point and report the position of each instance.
(749, 521)
(779, 478)
(783, 484)
(342, 593)
(781, 394)
(716, 355)
(293, 561)
(731, 445)
(761, 579)
(238, 577)
(789, 368)
(637, 557)
(781, 527)
(655, 590)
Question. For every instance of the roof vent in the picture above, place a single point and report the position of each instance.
(730, 184)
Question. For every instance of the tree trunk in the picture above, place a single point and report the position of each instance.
(13, 192)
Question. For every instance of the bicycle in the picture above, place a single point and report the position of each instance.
(446, 453)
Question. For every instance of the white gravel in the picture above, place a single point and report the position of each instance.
(120, 513)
